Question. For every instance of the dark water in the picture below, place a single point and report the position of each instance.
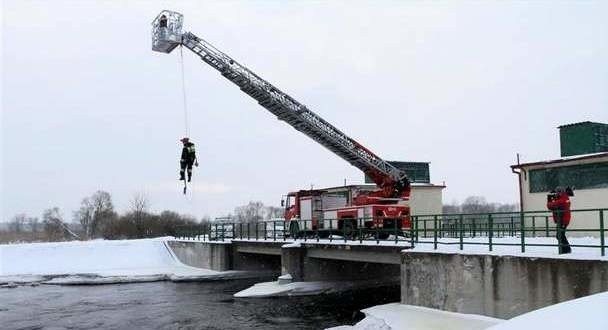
(168, 305)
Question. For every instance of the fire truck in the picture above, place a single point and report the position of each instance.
(344, 210)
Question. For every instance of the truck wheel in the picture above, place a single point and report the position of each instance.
(383, 235)
(294, 229)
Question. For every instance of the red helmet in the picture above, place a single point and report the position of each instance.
(185, 140)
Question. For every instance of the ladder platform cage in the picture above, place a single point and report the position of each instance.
(167, 31)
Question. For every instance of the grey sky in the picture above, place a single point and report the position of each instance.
(86, 104)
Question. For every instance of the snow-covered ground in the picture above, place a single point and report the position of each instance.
(398, 316)
(587, 313)
(97, 262)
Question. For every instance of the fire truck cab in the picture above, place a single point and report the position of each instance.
(334, 211)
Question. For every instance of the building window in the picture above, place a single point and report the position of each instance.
(586, 176)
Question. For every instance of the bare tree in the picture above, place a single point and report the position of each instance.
(95, 212)
(17, 223)
(139, 203)
(252, 212)
(139, 213)
(84, 216)
(273, 212)
(476, 204)
(53, 224)
(34, 224)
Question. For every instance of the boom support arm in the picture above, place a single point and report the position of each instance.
(392, 181)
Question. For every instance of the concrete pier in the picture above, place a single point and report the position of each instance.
(497, 286)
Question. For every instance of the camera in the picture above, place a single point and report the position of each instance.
(554, 194)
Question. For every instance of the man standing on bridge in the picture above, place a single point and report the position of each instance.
(188, 159)
(559, 203)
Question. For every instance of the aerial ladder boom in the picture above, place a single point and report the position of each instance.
(392, 181)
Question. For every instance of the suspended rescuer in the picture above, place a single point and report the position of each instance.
(558, 201)
(188, 159)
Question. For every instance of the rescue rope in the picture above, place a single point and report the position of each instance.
(181, 61)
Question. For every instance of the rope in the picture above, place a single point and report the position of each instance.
(181, 61)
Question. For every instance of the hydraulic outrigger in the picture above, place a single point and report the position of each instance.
(371, 208)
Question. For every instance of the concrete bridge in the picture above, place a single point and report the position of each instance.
(493, 285)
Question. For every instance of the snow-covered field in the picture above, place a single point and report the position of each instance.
(97, 262)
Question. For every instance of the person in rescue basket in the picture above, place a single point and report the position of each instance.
(188, 159)
(558, 202)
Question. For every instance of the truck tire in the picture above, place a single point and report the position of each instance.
(383, 235)
(348, 229)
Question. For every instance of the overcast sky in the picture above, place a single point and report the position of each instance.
(86, 104)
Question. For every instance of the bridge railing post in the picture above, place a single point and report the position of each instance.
(377, 229)
(274, 230)
(331, 230)
(461, 232)
(522, 231)
(435, 232)
(317, 229)
(602, 233)
(284, 230)
(412, 235)
(490, 230)
(396, 233)
(360, 225)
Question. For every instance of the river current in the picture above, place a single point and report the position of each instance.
(168, 305)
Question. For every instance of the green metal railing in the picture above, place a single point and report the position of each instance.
(487, 229)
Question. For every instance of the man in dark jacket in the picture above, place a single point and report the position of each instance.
(559, 204)
(188, 159)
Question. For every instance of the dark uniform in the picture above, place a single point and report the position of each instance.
(163, 21)
(188, 159)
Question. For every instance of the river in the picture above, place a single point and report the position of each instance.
(169, 305)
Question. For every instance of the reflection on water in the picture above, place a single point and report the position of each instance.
(168, 305)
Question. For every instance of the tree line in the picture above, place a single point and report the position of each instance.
(97, 218)
(478, 204)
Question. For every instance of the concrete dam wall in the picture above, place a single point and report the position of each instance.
(497, 286)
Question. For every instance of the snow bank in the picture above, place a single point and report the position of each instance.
(96, 262)
(406, 317)
(587, 313)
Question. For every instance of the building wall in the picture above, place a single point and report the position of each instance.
(583, 199)
(426, 200)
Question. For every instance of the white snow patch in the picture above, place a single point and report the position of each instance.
(407, 317)
(97, 262)
(274, 289)
(587, 313)
(296, 244)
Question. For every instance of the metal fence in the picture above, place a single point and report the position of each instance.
(485, 229)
